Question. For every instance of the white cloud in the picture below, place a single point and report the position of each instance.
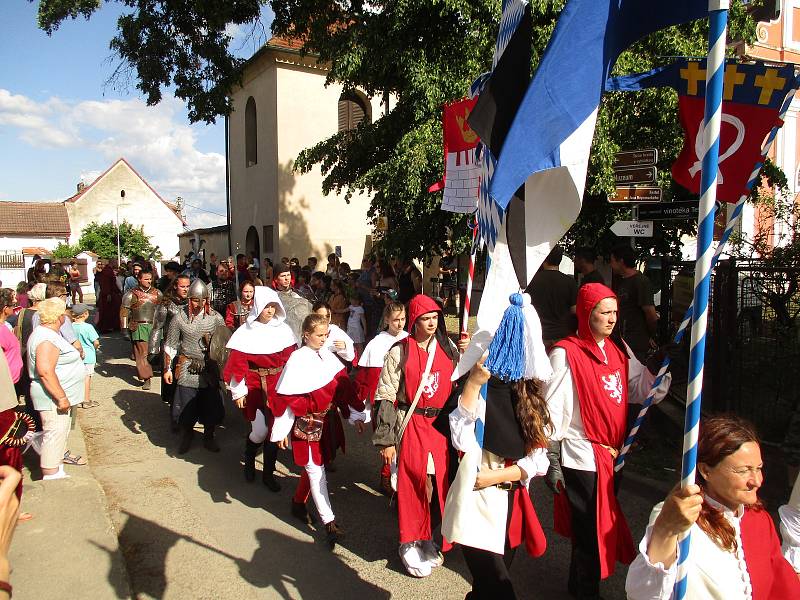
(156, 140)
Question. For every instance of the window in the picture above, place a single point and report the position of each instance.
(250, 133)
(353, 108)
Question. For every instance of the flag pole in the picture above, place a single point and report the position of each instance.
(733, 220)
(470, 278)
(715, 75)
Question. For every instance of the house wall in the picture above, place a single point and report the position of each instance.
(141, 207)
(294, 111)
(215, 242)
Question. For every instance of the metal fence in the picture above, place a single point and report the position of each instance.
(753, 344)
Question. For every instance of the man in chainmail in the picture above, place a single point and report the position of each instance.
(136, 315)
(197, 391)
(175, 298)
(297, 308)
(223, 290)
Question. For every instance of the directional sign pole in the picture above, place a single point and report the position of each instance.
(632, 229)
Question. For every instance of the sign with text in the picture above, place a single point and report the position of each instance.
(632, 229)
(636, 158)
(641, 175)
(668, 210)
(631, 193)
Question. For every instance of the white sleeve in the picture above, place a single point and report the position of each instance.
(647, 580)
(238, 389)
(355, 415)
(640, 380)
(282, 426)
(559, 394)
(462, 429)
(535, 464)
(790, 527)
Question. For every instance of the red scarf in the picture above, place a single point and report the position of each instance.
(770, 574)
(601, 382)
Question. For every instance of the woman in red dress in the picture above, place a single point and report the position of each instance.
(110, 300)
(259, 351)
(313, 382)
(237, 311)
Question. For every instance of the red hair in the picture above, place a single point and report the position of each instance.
(721, 436)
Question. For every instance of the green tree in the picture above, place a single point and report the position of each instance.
(102, 240)
(66, 251)
(417, 55)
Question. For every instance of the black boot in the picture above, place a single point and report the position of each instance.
(209, 442)
(186, 439)
(268, 474)
(250, 451)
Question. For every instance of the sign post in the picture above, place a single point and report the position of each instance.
(632, 229)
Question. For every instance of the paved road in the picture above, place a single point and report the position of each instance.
(191, 527)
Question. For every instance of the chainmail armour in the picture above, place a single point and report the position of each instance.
(185, 338)
(167, 308)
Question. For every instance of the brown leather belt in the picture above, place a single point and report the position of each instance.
(262, 375)
(429, 411)
(508, 486)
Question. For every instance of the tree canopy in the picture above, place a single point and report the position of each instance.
(102, 240)
(417, 54)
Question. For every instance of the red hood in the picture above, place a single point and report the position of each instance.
(588, 297)
(420, 305)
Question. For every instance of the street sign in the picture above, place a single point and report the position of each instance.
(630, 193)
(632, 229)
(668, 210)
(636, 158)
(635, 175)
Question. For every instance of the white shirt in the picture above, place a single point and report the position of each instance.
(790, 527)
(565, 413)
(714, 574)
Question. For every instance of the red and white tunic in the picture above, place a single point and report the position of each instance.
(312, 381)
(371, 363)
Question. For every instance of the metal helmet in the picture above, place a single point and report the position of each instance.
(198, 289)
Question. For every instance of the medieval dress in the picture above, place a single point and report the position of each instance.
(588, 397)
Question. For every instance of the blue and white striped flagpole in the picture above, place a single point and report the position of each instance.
(715, 76)
(687, 319)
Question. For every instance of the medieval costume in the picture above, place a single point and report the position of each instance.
(755, 570)
(136, 315)
(109, 301)
(258, 354)
(588, 397)
(197, 392)
(366, 382)
(411, 373)
(167, 308)
(297, 308)
(236, 313)
(337, 334)
(223, 292)
(790, 527)
(491, 522)
(313, 383)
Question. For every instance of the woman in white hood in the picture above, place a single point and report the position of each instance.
(259, 351)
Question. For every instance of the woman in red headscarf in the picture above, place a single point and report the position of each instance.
(417, 372)
(593, 381)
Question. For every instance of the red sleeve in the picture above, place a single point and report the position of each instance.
(297, 402)
(366, 382)
(345, 396)
(236, 367)
(229, 311)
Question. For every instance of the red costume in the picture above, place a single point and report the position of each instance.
(601, 383)
(247, 367)
(420, 439)
(236, 314)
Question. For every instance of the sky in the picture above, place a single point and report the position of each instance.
(62, 122)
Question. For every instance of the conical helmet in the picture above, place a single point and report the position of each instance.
(198, 289)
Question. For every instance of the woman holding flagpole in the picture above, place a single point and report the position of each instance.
(736, 553)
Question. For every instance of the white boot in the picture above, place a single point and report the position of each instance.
(430, 552)
(60, 474)
(413, 560)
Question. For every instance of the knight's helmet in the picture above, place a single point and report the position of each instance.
(198, 289)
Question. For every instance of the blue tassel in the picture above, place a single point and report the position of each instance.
(506, 358)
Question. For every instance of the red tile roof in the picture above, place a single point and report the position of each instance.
(290, 43)
(34, 219)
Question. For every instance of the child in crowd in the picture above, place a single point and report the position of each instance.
(90, 342)
(357, 323)
(22, 295)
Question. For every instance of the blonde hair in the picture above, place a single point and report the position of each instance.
(50, 310)
(37, 292)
